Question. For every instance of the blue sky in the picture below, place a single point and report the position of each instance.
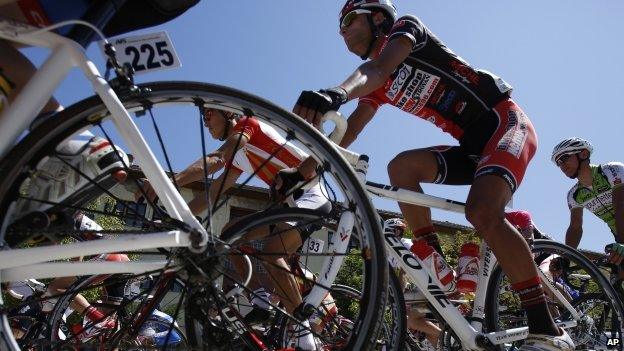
(563, 57)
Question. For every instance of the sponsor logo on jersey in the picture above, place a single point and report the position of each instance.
(614, 174)
(464, 72)
(398, 24)
(438, 94)
(419, 90)
(400, 80)
(595, 204)
(445, 104)
(460, 106)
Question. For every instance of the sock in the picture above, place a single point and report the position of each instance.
(93, 314)
(260, 298)
(533, 301)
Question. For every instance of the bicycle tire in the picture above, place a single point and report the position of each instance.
(61, 333)
(543, 249)
(393, 329)
(90, 112)
(233, 234)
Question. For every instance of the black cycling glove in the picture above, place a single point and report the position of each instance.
(288, 179)
(323, 100)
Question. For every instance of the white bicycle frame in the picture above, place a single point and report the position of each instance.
(19, 264)
(469, 333)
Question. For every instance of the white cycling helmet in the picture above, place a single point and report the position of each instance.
(394, 225)
(571, 146)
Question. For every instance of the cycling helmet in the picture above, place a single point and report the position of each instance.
(394, 225)
(571, 146)
(382, 5)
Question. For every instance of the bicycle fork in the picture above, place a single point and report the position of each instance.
(337, 250)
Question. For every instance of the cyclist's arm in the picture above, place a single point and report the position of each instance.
(215, 160)
(360, 117)
(195, 171)
(618, 207)
(575, 230)
(374, 73)
(199, 203)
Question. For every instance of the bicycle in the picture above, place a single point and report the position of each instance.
(193, 252)
(481, 329)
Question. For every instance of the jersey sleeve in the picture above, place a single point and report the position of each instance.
(614, 171)
(572, 203)
(249, 126)
(371, 100)
(411, 28)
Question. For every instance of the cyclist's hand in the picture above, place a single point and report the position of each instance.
(312, 105)
(616, 253)
(284, 181)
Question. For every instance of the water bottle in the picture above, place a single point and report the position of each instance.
(468, 267)
(435, 262)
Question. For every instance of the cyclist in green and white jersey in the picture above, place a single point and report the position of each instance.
(599, 190)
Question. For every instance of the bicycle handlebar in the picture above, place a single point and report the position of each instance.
(340, 124)
(338, 133)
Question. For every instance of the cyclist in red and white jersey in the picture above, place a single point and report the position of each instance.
(407, 66)
(256, 148)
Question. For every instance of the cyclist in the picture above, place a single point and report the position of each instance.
(249, 143)
(98, 320)
(415, 320)
(409, 67)
(598, 189)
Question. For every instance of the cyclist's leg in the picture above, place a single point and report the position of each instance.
(18, 70)
(80, 304)
(407, 170)
(504, 161)
(417, 321)
(441, 165)
(285, 243)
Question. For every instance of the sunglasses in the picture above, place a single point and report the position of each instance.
(349, 17)
(561, 160)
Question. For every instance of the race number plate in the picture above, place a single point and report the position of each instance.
(147, 52)
(314, 245)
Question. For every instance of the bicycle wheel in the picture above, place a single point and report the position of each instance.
(337, 328)
(599, 308)
(120, 300)
(43, 188)
(333, 323)
(393, 330)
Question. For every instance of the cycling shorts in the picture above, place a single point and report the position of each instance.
(506, 153)
(314, 198)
